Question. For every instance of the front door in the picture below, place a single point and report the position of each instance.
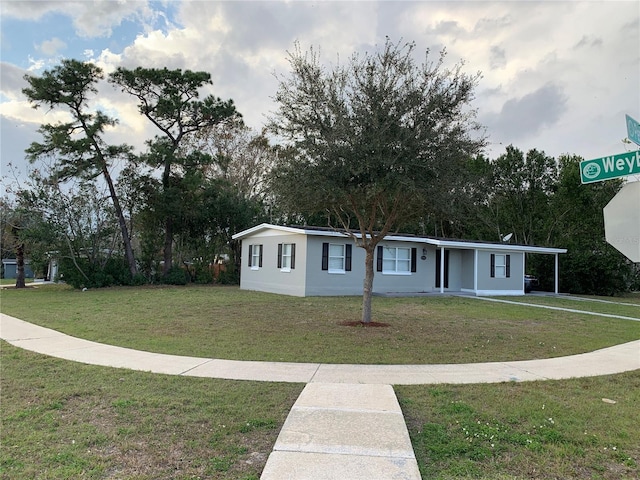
(439, 266)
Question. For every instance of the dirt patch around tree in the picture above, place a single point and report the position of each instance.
(358, 323)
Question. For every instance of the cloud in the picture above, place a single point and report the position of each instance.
(90, 18)
(11, 80)
(29, 10)
(498, 57)
(543, 63)
(52, 47)
(589, 41)
(526, 116)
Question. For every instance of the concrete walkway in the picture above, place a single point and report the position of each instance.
(337, 431)
(347, 422)
(616, 359)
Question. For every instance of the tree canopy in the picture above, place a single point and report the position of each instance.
(78, 146)
(170, 100)
(375, 141)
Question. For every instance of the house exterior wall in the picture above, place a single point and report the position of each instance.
(308, 278)
(467, 269)
(418, 281)
(455, 270)
(321, 282)
(514, 285)
(429, 265)
(269, 278)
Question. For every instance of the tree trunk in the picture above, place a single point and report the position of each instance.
(368, 284)
(168, 244)
(20, 267)
(167, 254)
(128, 249)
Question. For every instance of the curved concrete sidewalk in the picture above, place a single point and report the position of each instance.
(616, 359)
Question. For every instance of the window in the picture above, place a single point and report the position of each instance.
(255, 256)
(396, 260)
(500, 266)
(286, 256)
(336, 258)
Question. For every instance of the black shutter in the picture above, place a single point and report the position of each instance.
(347, 258)
(379, 269)
(446, 268)
(293, 256)
(279, 255)
(508, 266)
(493, 265)
(414, 253)
(250, 254)
(438, 267)
(260, 257)
(325, 256)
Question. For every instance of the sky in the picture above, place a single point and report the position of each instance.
(558, 76)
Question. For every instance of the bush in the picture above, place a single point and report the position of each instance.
(176, 276)
(116, 272)
(93, 275)
(203, 274)
(229, 277)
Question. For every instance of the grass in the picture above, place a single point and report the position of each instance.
(12, 281)
(66, 420)
(225, 322)
(626, 307)
(537, 430)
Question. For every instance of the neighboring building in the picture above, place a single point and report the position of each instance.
(316, 261)
(10, 268)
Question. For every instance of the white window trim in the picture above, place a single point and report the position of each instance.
(337, 271)
(283, 268)
(500, 266)
(255, 265)
(396, 272)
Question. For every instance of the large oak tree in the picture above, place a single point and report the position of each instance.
(375, 140)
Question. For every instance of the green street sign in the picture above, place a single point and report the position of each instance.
(606, 168)
(633, 130)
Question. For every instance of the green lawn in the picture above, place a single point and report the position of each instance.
(529, 430)
(225, 322)
(65, 420)
(12, 281)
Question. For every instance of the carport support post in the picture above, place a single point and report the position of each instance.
(556, 271)
(442, 269)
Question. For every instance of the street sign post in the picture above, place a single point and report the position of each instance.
(606, 168)
(633, 130)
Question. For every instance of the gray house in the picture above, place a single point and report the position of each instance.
(316, 261)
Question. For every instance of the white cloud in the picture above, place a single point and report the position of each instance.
(91, 18)
(556, 76)
(51, 47)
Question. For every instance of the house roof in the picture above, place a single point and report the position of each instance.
(436, 241)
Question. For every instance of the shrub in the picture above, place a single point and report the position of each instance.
(86, 274)
(176, 276)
